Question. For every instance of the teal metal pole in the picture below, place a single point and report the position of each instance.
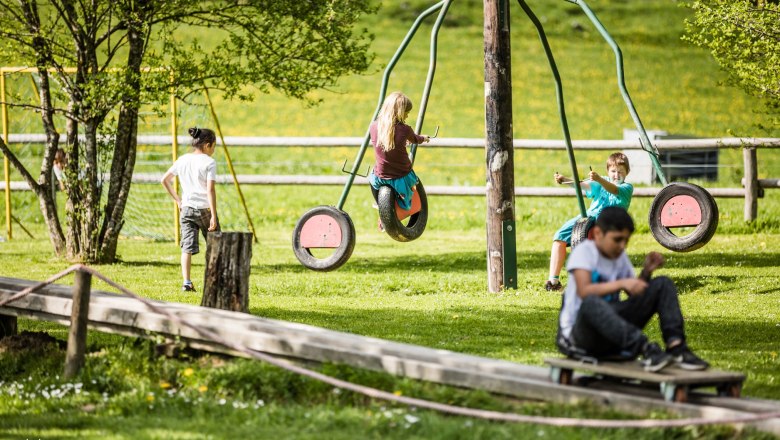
(646, 145)
(429, 78)
(561, 107)
(382, 93)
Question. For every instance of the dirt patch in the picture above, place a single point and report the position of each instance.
(32, 341)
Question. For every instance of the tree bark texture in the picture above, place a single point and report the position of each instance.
(498, 132)
(226, 282)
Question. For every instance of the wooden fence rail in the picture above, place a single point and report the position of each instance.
(753, 188)
(529, 144)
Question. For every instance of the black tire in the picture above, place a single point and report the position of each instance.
(701, 234)
(580, 231)
(395, 228)
(341, 253)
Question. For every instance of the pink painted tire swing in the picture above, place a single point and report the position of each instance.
(687, 209)
(683, 217)
(324, 236)
(330, 231)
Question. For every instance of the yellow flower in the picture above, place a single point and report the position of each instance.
(203, 388)
(397, 392)
(188, 372)
(164, 385)
(150, 397)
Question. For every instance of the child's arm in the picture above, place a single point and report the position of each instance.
(653, 261)
(212, 196)
(582, 277)
(560, 179)
(609, 186)
(166, 181)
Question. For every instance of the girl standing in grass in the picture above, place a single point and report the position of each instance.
(389, 136)
(197, 172)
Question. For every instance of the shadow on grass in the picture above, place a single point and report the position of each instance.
(464, 262)
(452, 262)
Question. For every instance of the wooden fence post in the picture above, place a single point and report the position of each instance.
(77, 335)
(226, 281)
(7, 326)
(749, 158)
(500, 192)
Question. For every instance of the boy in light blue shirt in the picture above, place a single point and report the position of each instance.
(612, 191)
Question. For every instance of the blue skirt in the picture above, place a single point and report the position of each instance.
(403, 186)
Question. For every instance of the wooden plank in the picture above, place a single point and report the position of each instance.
(123, 315)
(634, 370)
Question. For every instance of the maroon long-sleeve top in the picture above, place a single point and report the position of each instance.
(394, 163)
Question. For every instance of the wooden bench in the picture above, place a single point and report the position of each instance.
(674, 382)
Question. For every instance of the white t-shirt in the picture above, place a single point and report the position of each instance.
(602, 269)
(194, 170)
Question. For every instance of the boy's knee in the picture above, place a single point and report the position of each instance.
(664, 284)
(591, 303)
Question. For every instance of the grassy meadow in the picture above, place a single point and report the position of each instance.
(433, 291)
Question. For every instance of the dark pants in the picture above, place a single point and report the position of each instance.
(605, 329)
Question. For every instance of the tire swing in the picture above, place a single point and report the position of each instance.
(322, 228)
(324, 237)
(683, 205)
(583, 230)
(677, 204)
(392, 216)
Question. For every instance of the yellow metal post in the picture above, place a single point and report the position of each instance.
(175, 155)
(6, 163)
(230, 163)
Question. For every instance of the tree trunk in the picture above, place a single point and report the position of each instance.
(123, 161)
(226, 282)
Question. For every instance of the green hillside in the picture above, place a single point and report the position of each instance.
(676, 87)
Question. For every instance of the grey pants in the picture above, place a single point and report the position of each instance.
(607, 329)
(193, 221)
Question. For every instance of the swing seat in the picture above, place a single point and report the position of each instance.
(414, 209)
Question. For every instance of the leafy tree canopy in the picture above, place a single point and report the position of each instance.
(99, 61)
(744, 37)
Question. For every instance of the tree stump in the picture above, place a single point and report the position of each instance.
(226, 282)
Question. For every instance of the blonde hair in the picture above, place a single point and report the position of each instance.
(618, 159)
(394, 109)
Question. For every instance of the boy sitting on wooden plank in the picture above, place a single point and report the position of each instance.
(594, 321)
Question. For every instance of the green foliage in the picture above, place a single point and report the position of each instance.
(107, 59)
(208, 396)
(744, 38)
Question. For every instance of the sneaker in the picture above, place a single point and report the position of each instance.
(550, 285)
(655, 359)
(187, 288)
(685, 359)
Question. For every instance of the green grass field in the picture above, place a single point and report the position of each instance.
(433, 291)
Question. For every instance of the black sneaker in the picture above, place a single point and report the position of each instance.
(549, 285)
(187, 288)
(655, 359)
(685, 359)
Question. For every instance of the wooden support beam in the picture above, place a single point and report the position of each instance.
(8, 326)
(498, 148)
(79, 316)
